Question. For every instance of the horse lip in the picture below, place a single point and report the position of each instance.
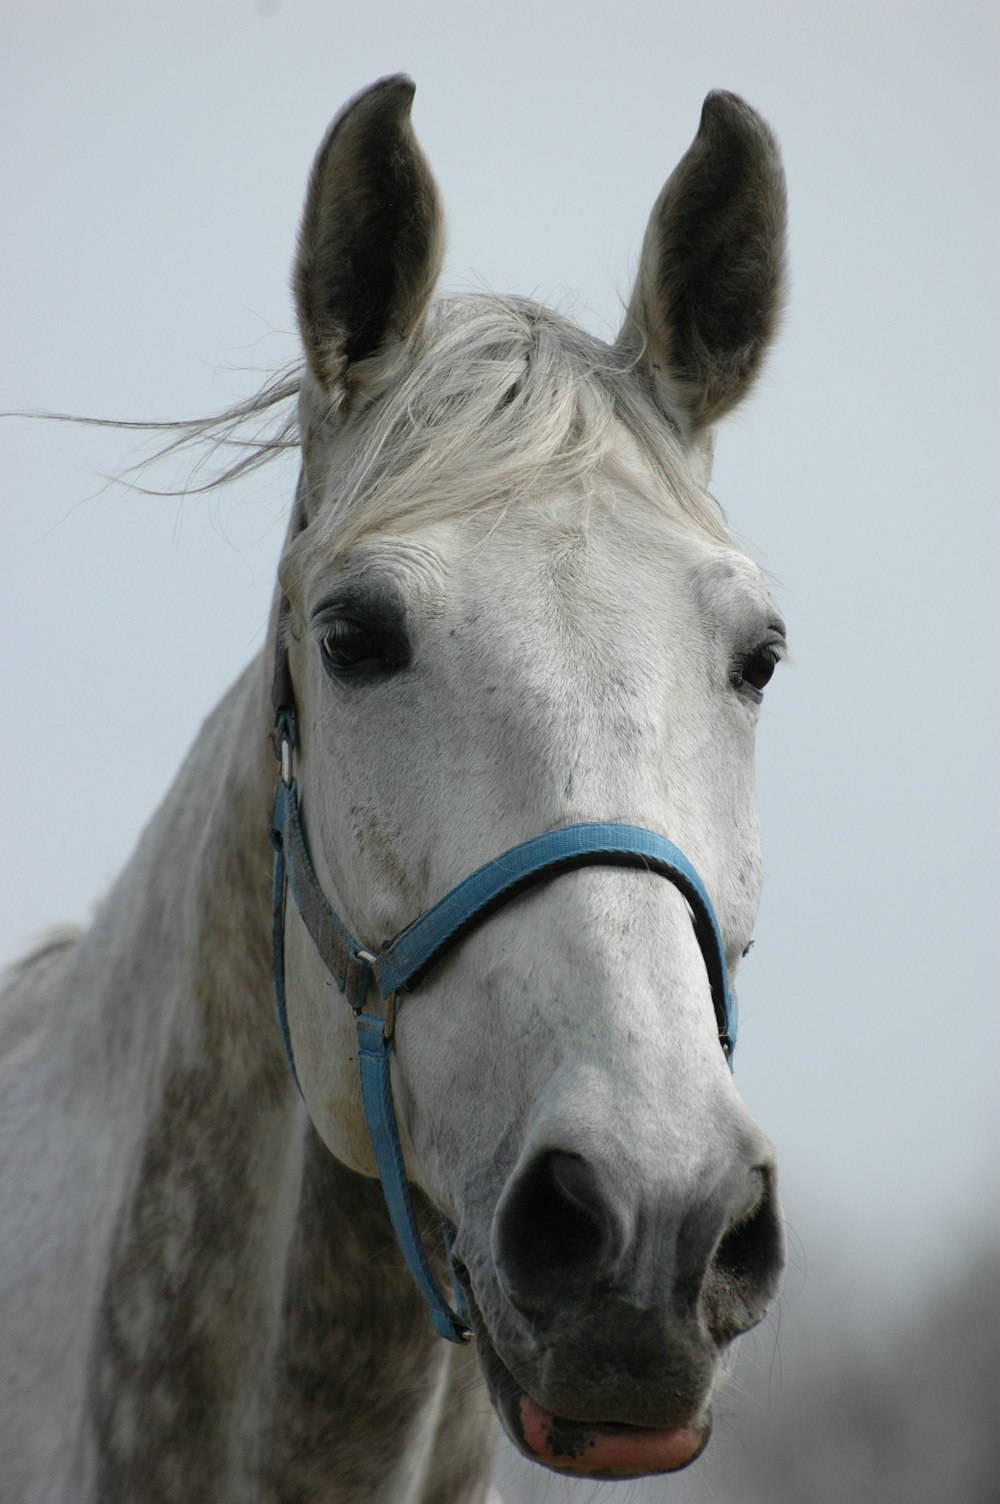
(602, 1450)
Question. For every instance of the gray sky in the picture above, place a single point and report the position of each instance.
(152, 174)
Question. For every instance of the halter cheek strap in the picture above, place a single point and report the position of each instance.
(352, 969)
(400, 965)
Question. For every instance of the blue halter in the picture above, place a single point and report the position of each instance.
(401, 965)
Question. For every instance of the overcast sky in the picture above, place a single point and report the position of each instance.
(153, 167)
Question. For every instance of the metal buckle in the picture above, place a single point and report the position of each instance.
(390, 1002)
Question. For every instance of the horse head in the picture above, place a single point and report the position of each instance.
(513, 608)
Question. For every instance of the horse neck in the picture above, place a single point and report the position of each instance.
(174, 986)
(240, 1317)
(181, 946)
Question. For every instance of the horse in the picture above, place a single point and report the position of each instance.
(417, 990)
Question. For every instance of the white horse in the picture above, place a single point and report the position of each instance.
(507, 607)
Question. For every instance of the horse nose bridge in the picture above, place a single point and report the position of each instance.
(612, 942)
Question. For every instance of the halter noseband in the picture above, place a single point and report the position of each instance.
(400, 965)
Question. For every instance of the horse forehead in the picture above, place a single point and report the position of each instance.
(614, 570)
(614, 559)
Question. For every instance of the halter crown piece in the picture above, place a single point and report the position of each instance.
(401, 965)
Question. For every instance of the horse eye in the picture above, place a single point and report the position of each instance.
(359, 647)
(755, 671)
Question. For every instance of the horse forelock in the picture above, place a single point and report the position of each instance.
(503, 401)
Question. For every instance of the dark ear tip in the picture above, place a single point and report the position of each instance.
(393, 83)
(722, 100)
(387, 98)
(726, 113)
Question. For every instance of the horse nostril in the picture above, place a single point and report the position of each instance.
(555, 1228)
(745, 1272)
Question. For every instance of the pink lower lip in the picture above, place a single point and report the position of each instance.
(619, 1452)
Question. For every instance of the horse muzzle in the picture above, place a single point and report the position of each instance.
(577, 1427)
(603, 1325)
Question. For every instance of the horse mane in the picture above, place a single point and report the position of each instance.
(499, 389)
(259, 428)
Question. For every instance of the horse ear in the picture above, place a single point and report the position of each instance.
(709, 289)
(370, 246)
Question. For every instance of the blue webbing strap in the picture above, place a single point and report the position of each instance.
(278, 949)
(402, 963)
(414, 951)
(376, 1096)
(342, 956)
(340, 951)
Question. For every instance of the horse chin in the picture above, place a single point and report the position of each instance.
(574, 1446)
